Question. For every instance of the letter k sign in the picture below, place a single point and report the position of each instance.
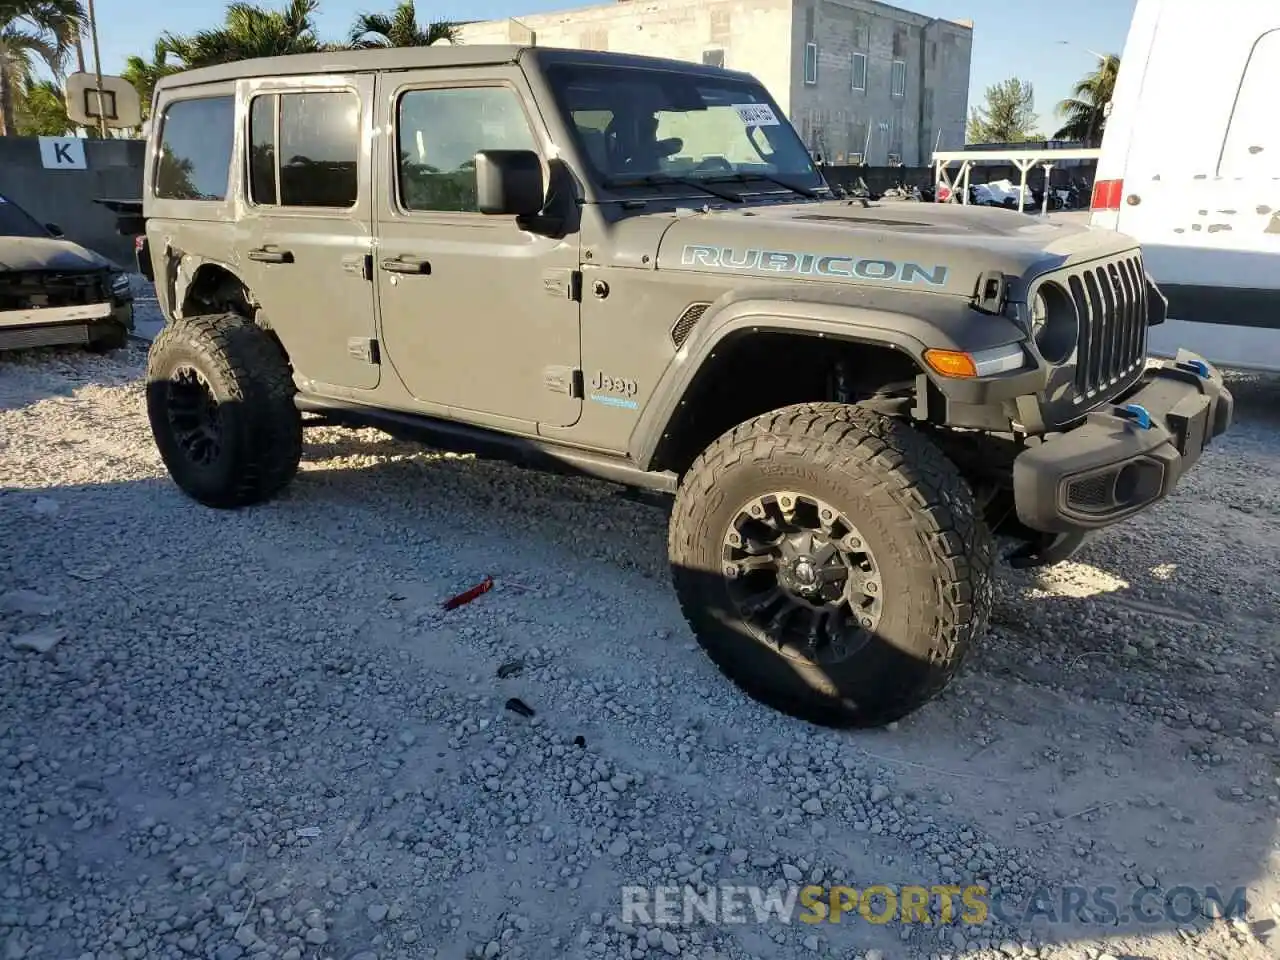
(62, 153)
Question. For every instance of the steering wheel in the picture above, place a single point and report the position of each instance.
(715, 163)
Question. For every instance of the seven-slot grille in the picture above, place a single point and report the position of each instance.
(1111, 300)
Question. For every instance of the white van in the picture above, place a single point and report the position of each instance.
(1190, 167)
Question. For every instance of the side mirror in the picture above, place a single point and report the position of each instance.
(55, 230)
(509, 183)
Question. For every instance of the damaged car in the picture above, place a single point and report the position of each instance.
(54, 292)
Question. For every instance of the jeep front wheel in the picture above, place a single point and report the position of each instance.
(832, 563)
(220, 401)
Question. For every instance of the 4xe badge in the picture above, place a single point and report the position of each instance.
(614, 391)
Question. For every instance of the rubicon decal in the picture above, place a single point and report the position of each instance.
(751, 260)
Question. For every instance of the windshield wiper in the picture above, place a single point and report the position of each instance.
(755, 175)
(654, 179)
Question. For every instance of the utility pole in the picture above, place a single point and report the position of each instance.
(97, 70)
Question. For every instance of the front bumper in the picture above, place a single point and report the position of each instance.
(58, 327)
(1126, 455)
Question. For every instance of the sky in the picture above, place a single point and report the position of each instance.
(1050, 47)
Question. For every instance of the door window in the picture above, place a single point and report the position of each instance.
(440, 131)
(1251, 147)
(309, 157)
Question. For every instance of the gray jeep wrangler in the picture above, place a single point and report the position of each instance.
(630, 268)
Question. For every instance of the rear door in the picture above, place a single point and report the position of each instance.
(478, 313)
(307, 222)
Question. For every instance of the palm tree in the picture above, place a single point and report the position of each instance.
(31, 31)
(249, 31)
(399, 29)
(1083, 111)
(144, 75)
(42, 110)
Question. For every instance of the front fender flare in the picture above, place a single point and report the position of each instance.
(907, 333)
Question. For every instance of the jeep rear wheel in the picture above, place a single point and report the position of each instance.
(832, 563)
(220, 402)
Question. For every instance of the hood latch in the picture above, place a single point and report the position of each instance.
(992, 290)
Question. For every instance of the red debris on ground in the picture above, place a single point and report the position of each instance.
(466, 596)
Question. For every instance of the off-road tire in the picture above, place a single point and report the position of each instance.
(917, 515)
(250, 379)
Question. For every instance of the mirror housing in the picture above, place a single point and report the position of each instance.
(509, 183)
(55, 230)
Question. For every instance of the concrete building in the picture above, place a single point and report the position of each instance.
(856, 77)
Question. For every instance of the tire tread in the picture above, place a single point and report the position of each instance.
(935, 505)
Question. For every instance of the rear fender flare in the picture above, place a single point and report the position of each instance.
(187, 268)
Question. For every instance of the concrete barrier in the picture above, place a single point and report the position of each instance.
(112, 168)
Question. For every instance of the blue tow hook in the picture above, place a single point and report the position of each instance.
(1199, 367)
(1137, 413)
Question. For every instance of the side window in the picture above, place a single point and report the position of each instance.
(438, 134)
(1251, 147)
(314, 162)
(263, 186)
(196, 139)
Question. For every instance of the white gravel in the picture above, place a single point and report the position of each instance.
(255, 734)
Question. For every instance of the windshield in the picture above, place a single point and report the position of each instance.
(634, 124)
(16, 222)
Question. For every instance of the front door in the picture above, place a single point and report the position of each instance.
(478, 314)
(308, 222)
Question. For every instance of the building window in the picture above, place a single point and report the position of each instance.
(859, 71)
(898, 79)
(810, 63)
(713, 58)
(196, 138)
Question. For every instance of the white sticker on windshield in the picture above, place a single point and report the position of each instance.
(756, 114)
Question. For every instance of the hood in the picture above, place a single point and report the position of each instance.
(46, 253)
(936, 247)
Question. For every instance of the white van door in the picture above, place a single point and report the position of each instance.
(1201, 180)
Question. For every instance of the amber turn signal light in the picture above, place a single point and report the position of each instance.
(951, 363)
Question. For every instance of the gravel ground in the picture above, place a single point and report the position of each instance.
(256, 734)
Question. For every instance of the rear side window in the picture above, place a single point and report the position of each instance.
(304, 149)
(1251, 147)
(196, 138)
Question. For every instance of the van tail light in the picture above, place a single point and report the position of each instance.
(1106, 195)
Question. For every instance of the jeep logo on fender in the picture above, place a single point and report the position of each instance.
(618, 385)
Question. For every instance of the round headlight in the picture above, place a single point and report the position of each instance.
(1039, 314)
(1055, 326)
